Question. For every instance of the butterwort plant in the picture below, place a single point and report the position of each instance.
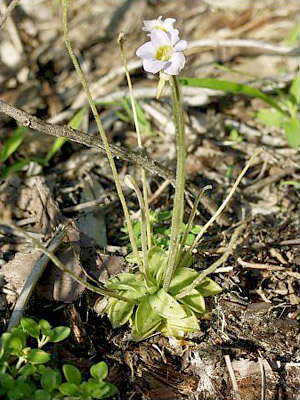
(156, 288)
(163, 292)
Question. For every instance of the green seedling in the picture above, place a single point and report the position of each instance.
(285, 110)
(290, 122)
(25, 375)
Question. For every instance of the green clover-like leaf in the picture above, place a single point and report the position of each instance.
(6, 381)
(37, 356)
(31, 327)
(72, 374)
(49, 380)
(59, 333)
(41, 395)
(68, 389)
(99, 371)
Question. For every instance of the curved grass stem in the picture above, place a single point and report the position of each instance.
(139, 139)
(222, 207)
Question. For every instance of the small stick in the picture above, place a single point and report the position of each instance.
(263, 378)
(8, 11)
(268, 267)
(232, 377)
(32, 280)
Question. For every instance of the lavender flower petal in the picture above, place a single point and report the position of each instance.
(153, 66)
(146, 51)
(177, 63)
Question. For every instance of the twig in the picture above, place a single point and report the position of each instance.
(232, 377)
(8, 11)
(32, 280)
(83, 138)
(263, 378)
(269, 267)
(95, 142)
(255, 44)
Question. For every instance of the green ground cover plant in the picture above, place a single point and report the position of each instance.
(26, 372)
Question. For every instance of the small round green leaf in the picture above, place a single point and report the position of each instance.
(88, 387)
(27, 370)
(38, 356)
(31, 327)
(6, 381)
(68, 389)
(105, 391)
(44, 326)
(11, 342)
(60, 333)
(72, 374)
(99, 371)
(41, 395)
(48, 380)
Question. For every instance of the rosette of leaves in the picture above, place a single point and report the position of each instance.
(150, 308)
(24, 374)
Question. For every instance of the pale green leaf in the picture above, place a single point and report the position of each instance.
(292, 132)
(12, 143)
(231, 87)
(146, 321)
(295, 88)
(182, 278)
(165, 305)
(119, 312)
(157, 263)
(270, 117)
(195, 301)
(15, 167)
(74, 123)
(208, 287)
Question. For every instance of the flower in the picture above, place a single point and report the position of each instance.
(164, 52)
(151, 24)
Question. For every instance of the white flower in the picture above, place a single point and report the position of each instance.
(151, 24)
(164, 52)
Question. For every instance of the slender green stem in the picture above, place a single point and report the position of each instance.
(190, 222)
(139, 139)
(84, 83)
(222, 207)
(177, 216)
(56, 261)
(133, 185)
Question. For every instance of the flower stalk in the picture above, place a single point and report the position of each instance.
(178, 208)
